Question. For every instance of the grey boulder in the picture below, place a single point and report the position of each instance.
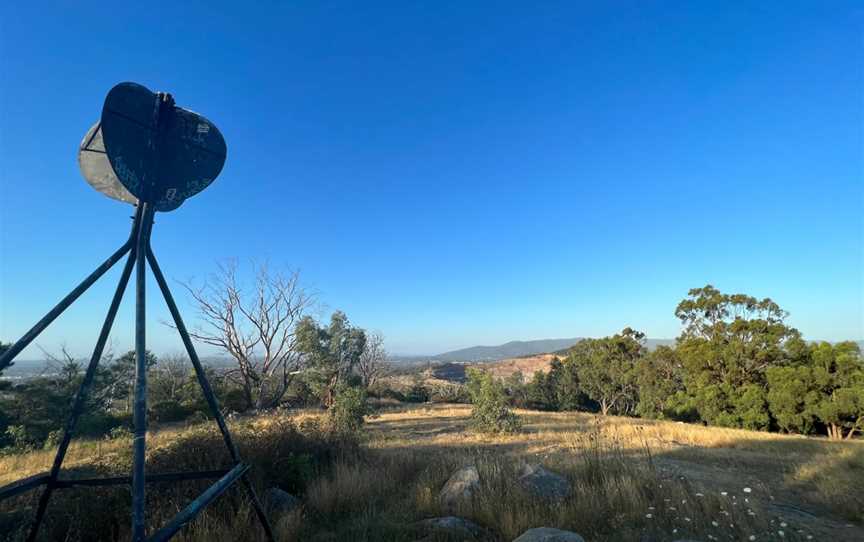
(279, 501)
(452, 527)
(544, 483)
(461, 485)
(548, 534)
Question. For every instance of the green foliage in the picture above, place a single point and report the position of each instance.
(606, 370)
(53, 439)
(122, 376)
(659, 380)
(792, 397)
(569, 393)
(19, 440)
(542, 391)
(490, 413)
(169, 410)
(331, 352)
(417, 393)
(516, 389)
(827, 389)
(349, 407)
(728, 344)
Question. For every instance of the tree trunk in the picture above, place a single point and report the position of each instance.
(604, 407)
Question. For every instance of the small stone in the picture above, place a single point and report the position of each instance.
(548, 534)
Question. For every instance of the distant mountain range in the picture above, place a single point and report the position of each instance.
(516, 349)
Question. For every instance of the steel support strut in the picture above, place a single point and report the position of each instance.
(209, 396)
(139, 446)
(52, 315)
(84, 389)
(140, 254)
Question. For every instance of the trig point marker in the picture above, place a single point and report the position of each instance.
(150, 153)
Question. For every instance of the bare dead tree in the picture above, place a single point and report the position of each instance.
(372, 364)
(255, 326)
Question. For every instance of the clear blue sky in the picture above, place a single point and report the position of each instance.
(460, 173)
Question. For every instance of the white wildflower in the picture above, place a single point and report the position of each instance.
(649, 516)
(747, 490)
(714, 523)
(723, 493)
(781, 533)
(783, 524)
(752, 537)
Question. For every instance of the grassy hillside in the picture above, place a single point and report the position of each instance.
(632, 479)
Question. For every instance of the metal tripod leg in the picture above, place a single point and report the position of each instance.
(209, 396)
(21, 344)
(84, 389)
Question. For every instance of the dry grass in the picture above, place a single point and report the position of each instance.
(632, 479)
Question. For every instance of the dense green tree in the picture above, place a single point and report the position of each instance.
(827, 390)
(839, 372)
(659, 379)
(792, 398)
(542, 391)
(728, 343)
(568, 391)
(516, 389)
(331, 352)
(607, 369)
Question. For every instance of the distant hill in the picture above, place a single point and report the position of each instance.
(517, 349)
(512, 349)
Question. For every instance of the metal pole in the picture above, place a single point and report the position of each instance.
(140, 412)
(209, 396)
(192, 510)
(21, 344)
(84, 389)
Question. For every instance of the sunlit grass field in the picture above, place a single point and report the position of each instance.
(632, 479)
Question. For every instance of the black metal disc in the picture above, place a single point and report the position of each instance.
(161, 153)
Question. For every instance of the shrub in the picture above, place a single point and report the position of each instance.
(170, 411)
(449, 393)
(19, 440)
(53, 439)
(417, 394)
(349, 408)
(490, 413)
